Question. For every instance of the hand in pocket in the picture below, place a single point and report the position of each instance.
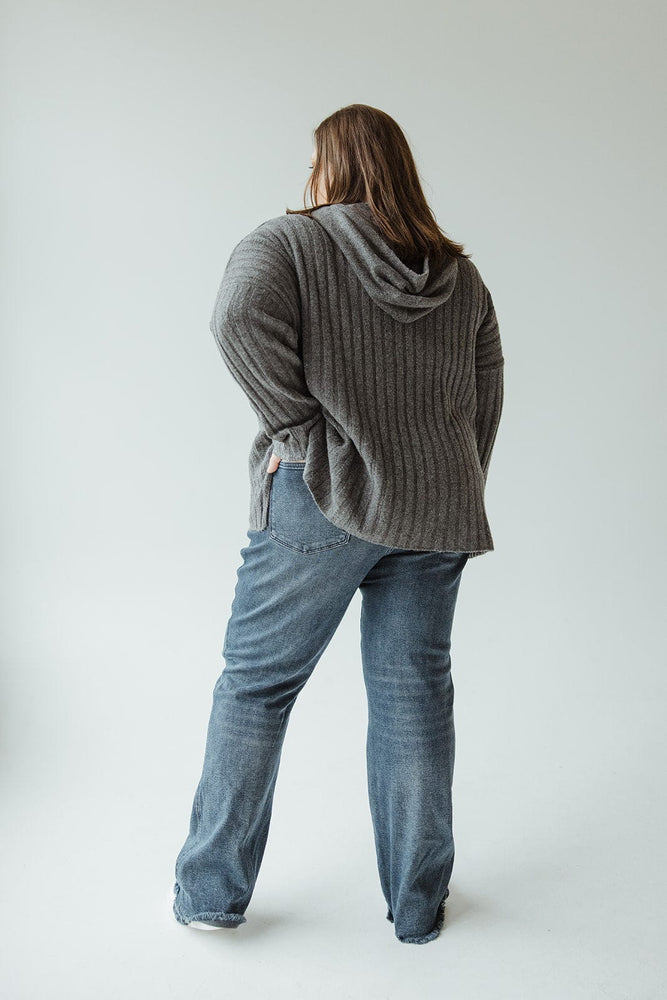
(274, 462)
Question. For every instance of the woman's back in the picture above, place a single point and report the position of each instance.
(385, 379)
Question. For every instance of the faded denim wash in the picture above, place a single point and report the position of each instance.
(293, 587)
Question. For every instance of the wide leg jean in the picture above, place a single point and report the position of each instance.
(296, 580)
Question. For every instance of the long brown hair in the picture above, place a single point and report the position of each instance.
(362, 154)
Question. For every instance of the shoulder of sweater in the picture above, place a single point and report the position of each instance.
(286, 223)
(481, 294)
(268, 249)
(277, 231)
(470, 269)
(264, 255)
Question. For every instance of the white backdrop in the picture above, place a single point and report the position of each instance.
(141, 142)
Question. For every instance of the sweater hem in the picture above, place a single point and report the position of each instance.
(259, 521)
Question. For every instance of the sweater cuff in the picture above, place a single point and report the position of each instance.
(291, 443)
(289, 453)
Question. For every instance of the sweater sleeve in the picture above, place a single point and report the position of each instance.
(256, 326)
(489, 379)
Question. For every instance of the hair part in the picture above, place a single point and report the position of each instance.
(362, 154)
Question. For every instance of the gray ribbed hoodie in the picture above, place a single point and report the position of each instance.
(387, 382)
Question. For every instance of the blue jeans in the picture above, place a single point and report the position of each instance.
(296, 580)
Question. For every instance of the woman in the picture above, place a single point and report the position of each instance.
(368, 346)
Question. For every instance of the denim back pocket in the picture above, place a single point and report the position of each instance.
(295, 520)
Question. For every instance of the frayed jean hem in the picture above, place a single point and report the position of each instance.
(423, 938)
(227, 920)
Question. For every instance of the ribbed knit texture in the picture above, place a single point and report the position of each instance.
(387, 381)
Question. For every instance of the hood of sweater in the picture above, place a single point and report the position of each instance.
(405, 294)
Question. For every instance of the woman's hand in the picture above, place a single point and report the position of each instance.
(274, 462)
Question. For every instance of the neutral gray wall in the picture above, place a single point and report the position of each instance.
(141, 141)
